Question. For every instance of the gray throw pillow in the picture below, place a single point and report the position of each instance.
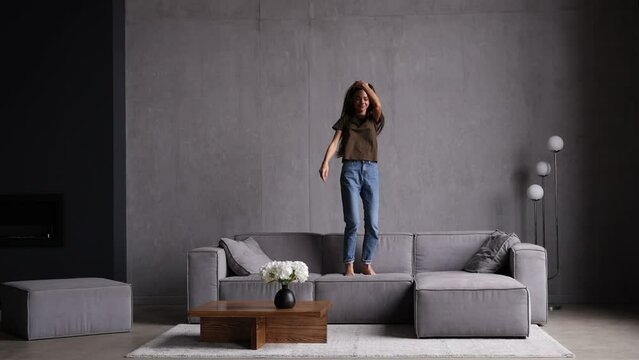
(492, 254)
(244, 257)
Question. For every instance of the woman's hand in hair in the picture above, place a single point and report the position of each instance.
(376, 103)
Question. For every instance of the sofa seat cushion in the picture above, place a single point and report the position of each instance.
(381, 298)
(462, 304)
(252, 287)
(462, 280)
(365, 278)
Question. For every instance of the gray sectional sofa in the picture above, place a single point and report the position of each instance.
(419, 280)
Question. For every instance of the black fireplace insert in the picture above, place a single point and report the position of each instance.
(31, 220)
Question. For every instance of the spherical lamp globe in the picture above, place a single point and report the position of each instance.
(535, 192)
(555, 143)
(543, 168)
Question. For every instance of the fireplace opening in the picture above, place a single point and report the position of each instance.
(33, 220)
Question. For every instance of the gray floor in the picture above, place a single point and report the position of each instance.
(590, 331)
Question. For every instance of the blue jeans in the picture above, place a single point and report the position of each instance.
(360, 179)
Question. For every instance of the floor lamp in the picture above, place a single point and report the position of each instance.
(556, 144)
(535, 192)
(543, 170)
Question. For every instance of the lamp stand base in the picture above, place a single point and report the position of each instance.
(554, 307)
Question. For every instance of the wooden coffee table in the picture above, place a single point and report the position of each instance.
(259, 322)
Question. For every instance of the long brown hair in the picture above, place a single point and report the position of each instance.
(348, 108)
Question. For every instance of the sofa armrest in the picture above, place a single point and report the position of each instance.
(528, 265)
(205, 267)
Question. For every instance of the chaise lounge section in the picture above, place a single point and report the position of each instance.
(450, 302)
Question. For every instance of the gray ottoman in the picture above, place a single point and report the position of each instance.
(41, 309)
(461, 304)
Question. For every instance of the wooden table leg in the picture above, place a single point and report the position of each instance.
(296, 329)
(258, 333)
(221, 330)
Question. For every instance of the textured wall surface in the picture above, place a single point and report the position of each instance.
(229, 106)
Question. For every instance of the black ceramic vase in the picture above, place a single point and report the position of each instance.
(284, 299)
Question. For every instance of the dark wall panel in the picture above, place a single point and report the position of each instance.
(56, 131)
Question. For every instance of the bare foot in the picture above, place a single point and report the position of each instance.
(349, 270)
(367, 269)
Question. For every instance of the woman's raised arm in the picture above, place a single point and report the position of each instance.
(376, 103)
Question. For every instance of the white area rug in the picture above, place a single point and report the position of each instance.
(348, 341)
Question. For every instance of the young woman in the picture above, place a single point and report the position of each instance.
(355, 140)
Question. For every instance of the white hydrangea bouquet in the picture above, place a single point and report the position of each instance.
(284, 272)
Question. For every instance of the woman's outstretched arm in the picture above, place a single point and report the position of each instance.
(330, 152)
(376, 103)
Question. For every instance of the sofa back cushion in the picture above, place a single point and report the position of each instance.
(394, 253)
(306, 247)
(446, 251)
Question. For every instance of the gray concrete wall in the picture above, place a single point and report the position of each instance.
(229, 106)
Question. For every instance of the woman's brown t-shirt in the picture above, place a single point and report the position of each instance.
(359, 138)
